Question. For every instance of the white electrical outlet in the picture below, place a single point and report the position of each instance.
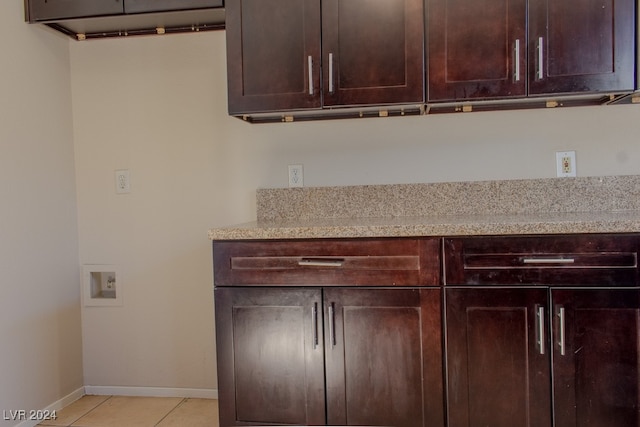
(123, 183)
(296, 178)
(565, 163)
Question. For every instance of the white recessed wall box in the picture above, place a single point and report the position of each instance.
(101, 285)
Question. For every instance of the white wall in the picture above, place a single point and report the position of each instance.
(157, 106)
(40, 354)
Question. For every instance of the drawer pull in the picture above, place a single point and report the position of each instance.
(561, 333)
(516, 61)
(314, 324)
(540, 62)
(320, 262)
(540, 331)
(332, 326)
(548, 260)
(331, 82)
(310, 70)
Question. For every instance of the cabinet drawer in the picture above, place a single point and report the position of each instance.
(575, 260)
(365, 262)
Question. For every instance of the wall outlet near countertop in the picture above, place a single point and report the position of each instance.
(565, 164)
(296, 177)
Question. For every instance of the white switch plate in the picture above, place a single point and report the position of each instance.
(123, 182)
(565, 163)
(296, 178)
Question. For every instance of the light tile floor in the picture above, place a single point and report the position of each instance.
(122, 411)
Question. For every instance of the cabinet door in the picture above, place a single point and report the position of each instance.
(498, 363)
(42, 10)
(581, 46)
(270, 356)
(477, 49)
(141, 6)
(273, 55)
(372, 51)
(596, 359)
(383, 357)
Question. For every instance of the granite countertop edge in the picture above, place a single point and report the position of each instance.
(444, 225)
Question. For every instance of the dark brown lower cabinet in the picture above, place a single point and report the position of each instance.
(270, 356)
(507, 349)
(596, 358)
(375, 353)
(498, 365)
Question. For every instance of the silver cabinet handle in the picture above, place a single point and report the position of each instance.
(320, 262)
(314, 324)
(540, 318)
(548, 260)
(516, 61)
(331, 83)
(332, 330)
(561, 332)
(540, 65)
(310, 68)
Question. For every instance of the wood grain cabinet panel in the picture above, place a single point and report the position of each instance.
(476, 49)
(498, 367)
(381, 349)
(273, 55)
(145, 6)
(494, 49)
(270, 356)
(328, 262)
(46, 10)
(543, 330)
(363, 349)
(285, 55)
(383, 357)
(596, 260)
(596, 358)
(43, 10)
(373, 52)
(581, 46)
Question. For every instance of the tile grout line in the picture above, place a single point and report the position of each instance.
(89, 411)
(173, 409)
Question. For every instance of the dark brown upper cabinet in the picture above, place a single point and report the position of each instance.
(273, 53)
(51, 10)
(144, 6)
(372, 53)
(482, 50)
(42, 10)
(476, 49)
(581, 46)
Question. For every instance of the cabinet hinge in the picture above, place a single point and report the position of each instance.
(552, 104)
(287, 119)
(81, 36)
(160, 30)
(383, 113)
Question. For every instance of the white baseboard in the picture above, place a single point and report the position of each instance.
(202, 393)
(56, 406)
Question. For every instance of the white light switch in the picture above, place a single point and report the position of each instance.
(123, 183)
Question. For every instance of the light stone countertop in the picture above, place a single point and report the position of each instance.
(537, 206)
(446, 225)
